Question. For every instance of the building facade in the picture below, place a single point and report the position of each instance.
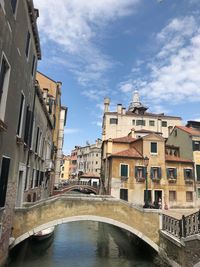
(51, 91)
(167, 177)
(19, 52)
(119, 123)
(187, 138)
(89, 158)
(64, 172)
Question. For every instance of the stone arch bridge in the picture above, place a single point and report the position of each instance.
(68, 208)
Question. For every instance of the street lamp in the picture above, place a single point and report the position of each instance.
(146, 200)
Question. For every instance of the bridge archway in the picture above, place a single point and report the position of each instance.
(88, 218)
(68, 208)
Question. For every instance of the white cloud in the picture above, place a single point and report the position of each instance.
(173, 75)
(76, 26)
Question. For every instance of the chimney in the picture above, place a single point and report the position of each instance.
(123, 111)
(132, 133)
(119, 108)
(106, 104)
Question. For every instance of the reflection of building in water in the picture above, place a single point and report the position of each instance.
(103, 241)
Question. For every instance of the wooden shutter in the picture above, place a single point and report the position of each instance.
(159, 172)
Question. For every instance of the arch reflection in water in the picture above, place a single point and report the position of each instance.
(84, 244)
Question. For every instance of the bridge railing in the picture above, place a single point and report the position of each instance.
(184, 227)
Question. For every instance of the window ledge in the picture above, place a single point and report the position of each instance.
(140, 180)
(124, 178)
(156, 180)
(3, 126)
(189, 181)
(19, 140)
(172, 180)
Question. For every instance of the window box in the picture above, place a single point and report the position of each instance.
(140, 179)
(156, 180)
(3, 126)
(19, 140)
(172, 180)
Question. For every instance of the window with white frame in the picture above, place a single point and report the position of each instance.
(171, 173)
(140, 172)
(172, 195)
(154, 149)
(155, 173)
(189, 196)
(124, 170)
(4, 84)
(188, 173)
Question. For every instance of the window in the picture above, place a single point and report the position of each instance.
(154, 148)
(97, 155)
(151, 123)
(171, 173)
(155, 173)
(140, 122)
(96, 162)
(172, 195)
(124, 170)
(4, 83)
(198, 172)
(27, 126)
(198, 192)
(37, 137)
(164, 123)
(189, 196)
(37, 178)
(188, 174)
(33, 66)
(13, 5)
(41, 178)
(33, 179)
(21, 115)
(26, 184)
(113, 121)
(133, 122)
(4, 180)
(28, 37)
(140, 172)
(124, 194)
(196, 145)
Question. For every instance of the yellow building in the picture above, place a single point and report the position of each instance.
(52, 96)
(164, 178)
(64, 173)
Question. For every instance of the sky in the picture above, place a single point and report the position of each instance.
(109, 48)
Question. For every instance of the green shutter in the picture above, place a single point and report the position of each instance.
(175, 173)
(144, 172)
(167, 170)
(185, 173)
(151, 173)
(198, 172)
(159, 172)
(136, 172)
(124, 170)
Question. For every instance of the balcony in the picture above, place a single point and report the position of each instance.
(155, 179)
(49, 165)
(189, 180)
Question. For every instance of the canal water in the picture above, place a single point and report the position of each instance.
(84, 244)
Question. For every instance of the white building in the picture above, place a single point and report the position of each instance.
(89, 158)
(119, 123)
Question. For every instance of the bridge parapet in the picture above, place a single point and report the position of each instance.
(65, 208)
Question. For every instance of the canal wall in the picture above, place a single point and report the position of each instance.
(179, 253)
